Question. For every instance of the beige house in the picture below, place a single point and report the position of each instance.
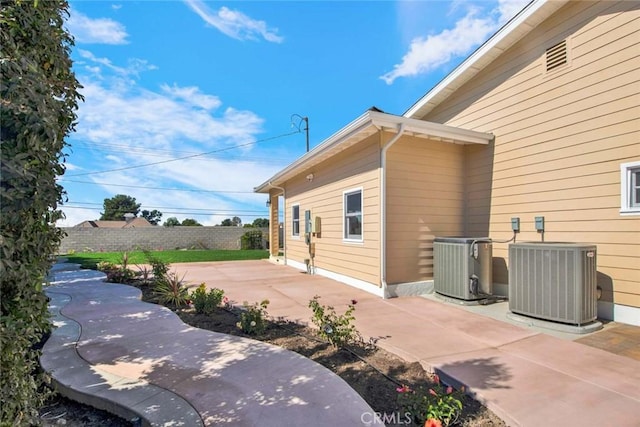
(541, 120)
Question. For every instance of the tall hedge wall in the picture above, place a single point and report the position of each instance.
(39, 100)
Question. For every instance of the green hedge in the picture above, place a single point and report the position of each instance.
(39, 99)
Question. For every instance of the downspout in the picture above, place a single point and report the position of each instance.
(284, 222)
(383, 210)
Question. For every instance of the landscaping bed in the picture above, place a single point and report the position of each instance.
(390, 385)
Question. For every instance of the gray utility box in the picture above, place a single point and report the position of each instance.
(553, 281)
(462, 267)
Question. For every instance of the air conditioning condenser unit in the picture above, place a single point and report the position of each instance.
(462, 267)
(553, 281)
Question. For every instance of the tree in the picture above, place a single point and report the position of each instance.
(261, 223)
(39, 99)
(191, 222)
(117, 206)
(232, 222)
(171, 222)
(153, 217)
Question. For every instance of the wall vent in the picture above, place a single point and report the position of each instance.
(556, 56)
(553, 281)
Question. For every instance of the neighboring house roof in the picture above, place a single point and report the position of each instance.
(372, 121)
(520, 25)
(136, 222)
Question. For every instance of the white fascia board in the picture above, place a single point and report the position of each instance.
(343, 134)
(503, 39)
(431, 129)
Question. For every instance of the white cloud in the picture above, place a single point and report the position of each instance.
(235, 24)
(100, 30)
(139, 117)
(428, 53)
(507, 9)
(193, 95)
(144, 126)
(134, 66)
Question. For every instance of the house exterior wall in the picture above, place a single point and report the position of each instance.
(560, 138)
(425, 199)
(356, 167)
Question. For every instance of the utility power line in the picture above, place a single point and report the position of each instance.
(210, 213)
(183, 158)
(108, 184)
(71, 204)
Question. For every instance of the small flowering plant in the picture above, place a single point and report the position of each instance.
(335, 328)
(226, 303)
(253, 320)
(436, 406)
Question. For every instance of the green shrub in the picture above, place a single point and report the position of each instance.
(439, 403)
(170, 290)
(252, 240)
(253, 320)
(144, 273)
(116, 273)
(335, 328)
(105, 266)
(206, 302)
(159, 268)
(39, 99)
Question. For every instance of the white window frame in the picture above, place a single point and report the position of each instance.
(294, 221)
(345, 237)
(627, 206)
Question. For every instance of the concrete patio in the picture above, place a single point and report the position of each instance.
(524, 375)
(138, 360)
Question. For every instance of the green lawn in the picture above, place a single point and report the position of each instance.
(90, 259)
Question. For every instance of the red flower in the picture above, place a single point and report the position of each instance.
(436, 378)
(403, 389)
(449, 390)
(432, 422)
(354, 302)
(432, 392)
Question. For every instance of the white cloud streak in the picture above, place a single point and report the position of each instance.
(119, 113)
(428, 53)
(235, 24)
(98, 31)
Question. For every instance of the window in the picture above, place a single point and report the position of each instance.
(295, 220)
(630, 188)
(353, 215)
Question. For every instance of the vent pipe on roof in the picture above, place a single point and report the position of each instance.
(383, 210)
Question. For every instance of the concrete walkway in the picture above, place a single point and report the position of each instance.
(139, 361)
(526, 377)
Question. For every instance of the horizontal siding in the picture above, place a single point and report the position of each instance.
(356, 167)
(560, 138)
(425, 199)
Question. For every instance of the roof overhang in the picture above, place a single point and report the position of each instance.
(529, 18)
(366, 125)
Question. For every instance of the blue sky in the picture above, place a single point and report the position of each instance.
(170, 80)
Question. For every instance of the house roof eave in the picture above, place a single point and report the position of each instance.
(363, 127)
(514, 30)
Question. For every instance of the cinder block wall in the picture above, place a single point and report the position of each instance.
(153, 238)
